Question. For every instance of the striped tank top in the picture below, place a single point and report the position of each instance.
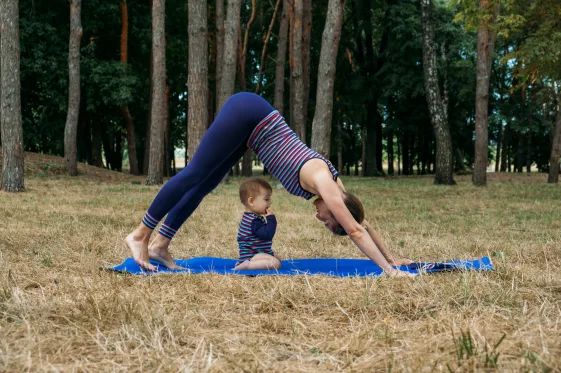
(283, 153)
(248, 243)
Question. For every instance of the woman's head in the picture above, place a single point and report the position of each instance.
(324, 215)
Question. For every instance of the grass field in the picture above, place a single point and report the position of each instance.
(59, 312)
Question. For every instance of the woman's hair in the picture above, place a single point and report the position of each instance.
(355, 208)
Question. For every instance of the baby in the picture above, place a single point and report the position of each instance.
(257, 228)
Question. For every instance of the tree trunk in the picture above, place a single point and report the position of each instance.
(131, 139)
(291, 84)
(398, 156)
(390, 153)
(156, 159)
(553, 176)
(281, 59)
(96, 145)
(168, 147)
(405, 152)
(444, 158)
(197, 82)
(371, 161)
(499, 144)
(219, 50)
(297, 73)
(306, 50)
(244, 46)
(340, 145)
(504, 152)
(247, 157)
(228, 79)
(485, 47)
(71, 127)
(364, 142)
(265, 44)
(10, 101)
(321, 126)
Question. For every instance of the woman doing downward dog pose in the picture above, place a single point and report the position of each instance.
(248, 120)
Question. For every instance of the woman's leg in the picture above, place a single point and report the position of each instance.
(238, 117)
(159, 248)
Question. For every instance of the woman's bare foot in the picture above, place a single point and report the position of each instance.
(163, 256)
(137, 242)
(158, 251)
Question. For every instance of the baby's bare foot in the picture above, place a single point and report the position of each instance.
(139, 250)
(163, 256)
(241, 265)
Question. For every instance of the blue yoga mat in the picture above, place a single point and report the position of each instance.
(327, 267)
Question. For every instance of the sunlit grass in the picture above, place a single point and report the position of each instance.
(59, 312)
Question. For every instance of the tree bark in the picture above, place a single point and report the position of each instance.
(156, 159)
(321, 126)
(390, 153)
(306, 50)
(340, 145)
(553, 176)
(10, 100)
(485, 46)
(228, 79)
(219, 49)
(244, 45)
(168, 148)
(504, 151)
(444, 158)
(297, 73)
(71, 127)
(197, 82)
(281, 59)
(265, 44)
(499, 144)
(129, 125)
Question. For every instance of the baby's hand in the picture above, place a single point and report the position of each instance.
(268, 212)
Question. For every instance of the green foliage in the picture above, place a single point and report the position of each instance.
(467, 349)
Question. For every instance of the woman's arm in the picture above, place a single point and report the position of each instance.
(331, 194)
(385, 251)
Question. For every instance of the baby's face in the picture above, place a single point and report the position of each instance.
(260, 203)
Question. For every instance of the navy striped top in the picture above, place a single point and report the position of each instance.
(283, 153)
(255, 235)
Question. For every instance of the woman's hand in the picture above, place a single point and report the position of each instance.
(400, 262)
(398, 273)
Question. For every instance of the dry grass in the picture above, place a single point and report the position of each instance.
(59, 312)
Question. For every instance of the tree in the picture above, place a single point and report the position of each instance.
(219, 49)
(71, 127)
(444, 158)
(485, 47)
(197, 84)
(297, 104)
(157, 121)
(321, 126)
(553, 176)
(306, 56)
(281, 58)
(131, 138)
(10, 101)
(227, 82)
(243, 46)
(265, 44)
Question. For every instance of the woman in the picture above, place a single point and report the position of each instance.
(247, 120)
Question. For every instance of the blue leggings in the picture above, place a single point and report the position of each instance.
(222, 146)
